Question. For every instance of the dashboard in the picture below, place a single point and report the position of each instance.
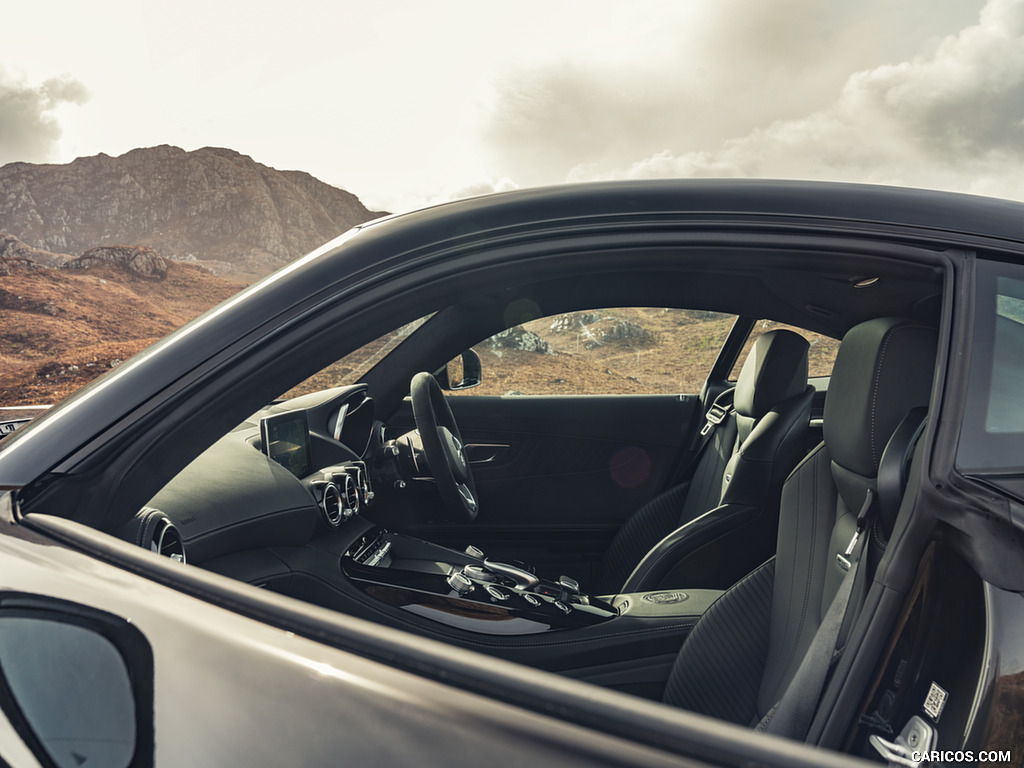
(294, 470)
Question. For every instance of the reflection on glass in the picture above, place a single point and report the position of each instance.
(71, 687)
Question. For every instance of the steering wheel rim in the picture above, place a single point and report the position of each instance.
(443, 448)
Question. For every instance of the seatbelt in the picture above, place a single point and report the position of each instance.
(792, 714)
(717, 413)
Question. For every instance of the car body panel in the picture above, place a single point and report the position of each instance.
(233, 689)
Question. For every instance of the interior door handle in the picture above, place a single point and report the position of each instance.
(485, 453)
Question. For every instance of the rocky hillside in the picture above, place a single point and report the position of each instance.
(214, 207)
(62, 327)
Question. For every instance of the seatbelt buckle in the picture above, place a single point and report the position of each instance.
(862, 521)
(715, 416)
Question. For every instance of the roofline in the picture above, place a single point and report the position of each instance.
(925, 210)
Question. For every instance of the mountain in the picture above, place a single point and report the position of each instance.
(103, 256)
(215, 207)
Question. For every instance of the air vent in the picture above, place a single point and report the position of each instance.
(166, 541)
(331, 504)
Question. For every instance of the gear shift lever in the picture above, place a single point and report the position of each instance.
(523, 579)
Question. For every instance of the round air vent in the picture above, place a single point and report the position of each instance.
(331, 504)
(151, 529)
(167, 541)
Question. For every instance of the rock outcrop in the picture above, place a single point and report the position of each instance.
(520, 339)
(138, 259)
(595, 328)
(15, 252)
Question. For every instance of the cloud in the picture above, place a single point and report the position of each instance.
(28, 129)
(953, 119)
(487, 187)
(767, 91)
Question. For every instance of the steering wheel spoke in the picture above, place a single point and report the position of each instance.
(443, 448)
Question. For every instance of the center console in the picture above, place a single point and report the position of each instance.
(467, 589)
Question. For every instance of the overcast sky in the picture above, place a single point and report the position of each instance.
(409, 102)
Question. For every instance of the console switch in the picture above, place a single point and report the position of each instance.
(460, 582)
(569, 585)
(496, 592)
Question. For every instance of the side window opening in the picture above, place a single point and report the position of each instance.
(632, 350)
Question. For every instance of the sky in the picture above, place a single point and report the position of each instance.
(409, 103)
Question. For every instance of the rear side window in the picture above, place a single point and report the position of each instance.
(992, 434)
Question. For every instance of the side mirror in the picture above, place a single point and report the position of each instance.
(464, 372)
(76, 684)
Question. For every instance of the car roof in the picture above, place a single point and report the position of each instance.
(964, 218)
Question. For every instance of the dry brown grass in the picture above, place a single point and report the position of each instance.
(60, 329)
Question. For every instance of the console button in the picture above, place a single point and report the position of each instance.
(569, 584)
(496, 592)
(531, 599)
(460, 582)
(562, 607)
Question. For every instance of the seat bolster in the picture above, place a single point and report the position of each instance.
(638, 534)
(718, 670)
(810, 507)
(686, 539)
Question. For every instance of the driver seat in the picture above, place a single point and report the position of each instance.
(736, 482)
(740, 658)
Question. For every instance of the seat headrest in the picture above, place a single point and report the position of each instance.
(884, 368)
(775, 370)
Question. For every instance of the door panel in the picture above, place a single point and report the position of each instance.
(556, 476)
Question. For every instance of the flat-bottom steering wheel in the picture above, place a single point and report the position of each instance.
(443, 448)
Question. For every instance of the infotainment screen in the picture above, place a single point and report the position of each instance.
(285, 439)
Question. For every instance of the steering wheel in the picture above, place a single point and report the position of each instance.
(443, 448)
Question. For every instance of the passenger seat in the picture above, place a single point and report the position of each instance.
(745, 660)
(734, 488)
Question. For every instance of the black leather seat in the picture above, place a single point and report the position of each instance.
(736, 482)
(745, 650)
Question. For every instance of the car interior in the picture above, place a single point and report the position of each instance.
(501, 524)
